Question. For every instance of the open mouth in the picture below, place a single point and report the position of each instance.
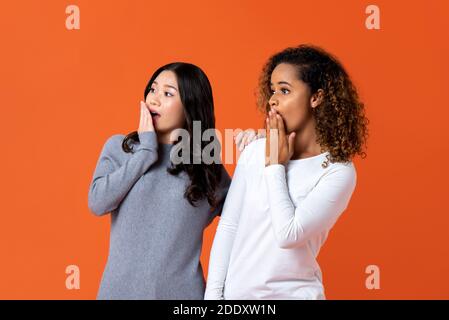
(154, 114)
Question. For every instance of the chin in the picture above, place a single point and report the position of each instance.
(289, 129)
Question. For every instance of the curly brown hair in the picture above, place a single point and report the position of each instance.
(341, 124)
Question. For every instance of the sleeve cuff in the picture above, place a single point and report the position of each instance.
(148, 140)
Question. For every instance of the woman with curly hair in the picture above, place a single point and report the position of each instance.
(289, 189)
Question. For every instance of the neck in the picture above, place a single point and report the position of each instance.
(305, 142)
(164, 138)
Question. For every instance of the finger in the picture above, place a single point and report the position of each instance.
(250, 138)
(146, 108)
(280, 124)
(245, 138)
(148, 119)
(238, 138)
(273, 122)
(141, 118)
(269, 120)
(274, 130)
(261, 134)
(242, 143)
(267, 141)
(145, 117)
(267, 130)
(268, 127)
(291, 142)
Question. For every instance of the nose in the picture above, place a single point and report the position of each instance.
(154, 101)
(273, 101)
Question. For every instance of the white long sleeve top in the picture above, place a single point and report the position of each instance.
(274, 221)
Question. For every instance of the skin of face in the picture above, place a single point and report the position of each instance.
(164, 100)
(291, 97)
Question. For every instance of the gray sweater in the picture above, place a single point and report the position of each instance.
(156, 235)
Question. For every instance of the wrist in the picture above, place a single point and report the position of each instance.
(148, 139)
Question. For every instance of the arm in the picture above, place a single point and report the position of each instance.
(225, 234)
(110, 185)
(318, 211)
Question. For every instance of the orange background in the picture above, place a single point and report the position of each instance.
(63, 93)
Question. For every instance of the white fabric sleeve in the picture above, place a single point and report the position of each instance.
(317, 211)
(225, 234)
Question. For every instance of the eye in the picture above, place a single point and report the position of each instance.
(152, 90)
(285, 91)
(168, 94)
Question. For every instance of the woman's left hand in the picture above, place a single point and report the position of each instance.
(285, 145)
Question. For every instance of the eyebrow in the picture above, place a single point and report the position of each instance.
(167, 85)
(282, 82)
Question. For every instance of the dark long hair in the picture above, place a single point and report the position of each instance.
(341, 124)
(196, 97)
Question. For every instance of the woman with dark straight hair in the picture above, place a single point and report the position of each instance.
(159, 209)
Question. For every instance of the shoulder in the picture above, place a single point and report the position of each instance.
(343, 172)
(253, 152)
(113, 144)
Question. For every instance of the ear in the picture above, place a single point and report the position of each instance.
(317, 98)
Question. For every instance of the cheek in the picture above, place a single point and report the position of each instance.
(295, 113)
(175, 114)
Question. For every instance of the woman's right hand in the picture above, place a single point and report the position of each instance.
(146, 120)
(243, 138)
